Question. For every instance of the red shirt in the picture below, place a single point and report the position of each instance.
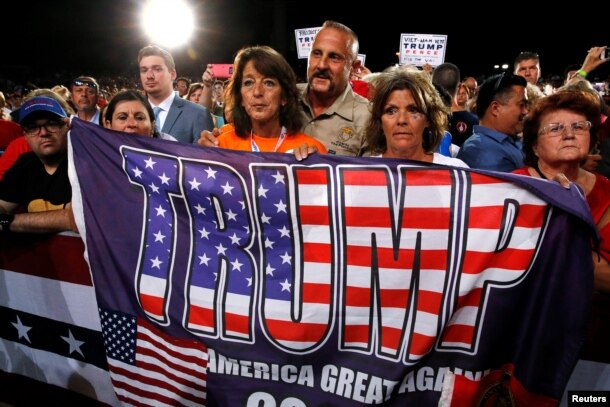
(9, 131)
(599, 202)
(12, 153)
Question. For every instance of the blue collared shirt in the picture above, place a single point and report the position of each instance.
(488, 149)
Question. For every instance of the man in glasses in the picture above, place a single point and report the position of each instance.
(501, 107)
(38, 181)
(85, 94)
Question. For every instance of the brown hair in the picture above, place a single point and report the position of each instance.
(572, 100)
(154, 50)
(270, 63)
(427, 100)
(192, 88)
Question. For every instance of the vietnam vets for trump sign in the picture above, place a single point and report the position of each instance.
(422, 49)
(238, 278)
(304, 39)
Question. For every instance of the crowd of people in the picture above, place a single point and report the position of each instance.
(508, 123)
(429, 115)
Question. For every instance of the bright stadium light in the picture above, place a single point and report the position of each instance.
(169, 23)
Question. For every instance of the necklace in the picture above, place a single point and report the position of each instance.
(280, 140)
(539, 172)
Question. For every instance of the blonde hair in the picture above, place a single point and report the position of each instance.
(49, 93)
(62, 91)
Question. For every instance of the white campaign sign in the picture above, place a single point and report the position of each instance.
(304, 38)
(421, 49)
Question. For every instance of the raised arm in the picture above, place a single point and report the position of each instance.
(206, 94)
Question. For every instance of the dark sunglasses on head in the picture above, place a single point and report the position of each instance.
(528, 55)
(498, 82)
(78, 82)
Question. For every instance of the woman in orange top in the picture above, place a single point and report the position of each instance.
(263, 102)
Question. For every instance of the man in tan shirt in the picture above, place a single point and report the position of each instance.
(335, 115)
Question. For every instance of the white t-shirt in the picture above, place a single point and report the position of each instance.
(165, 105)
(441, 159)
(444, 160)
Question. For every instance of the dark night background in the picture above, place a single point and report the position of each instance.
(47, 41)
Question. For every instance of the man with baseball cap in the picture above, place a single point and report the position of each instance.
(38, 181)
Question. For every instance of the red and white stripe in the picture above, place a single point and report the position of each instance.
(314, 303)
(482, 264)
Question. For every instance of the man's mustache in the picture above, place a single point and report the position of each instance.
(321, 74)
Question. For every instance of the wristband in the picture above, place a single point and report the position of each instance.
(5, 222)
(582, 73)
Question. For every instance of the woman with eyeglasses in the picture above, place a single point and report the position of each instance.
(558, 133)
(408, 119)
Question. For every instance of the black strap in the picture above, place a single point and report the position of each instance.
(539, 172)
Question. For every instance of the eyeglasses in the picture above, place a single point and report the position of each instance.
(78, 82)
(557, 129)
(50, 127)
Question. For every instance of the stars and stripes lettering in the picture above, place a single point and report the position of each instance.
(414, 255)
(222, 274)
(418, 256)
(158, 177)
(503, 238)
(297, 261)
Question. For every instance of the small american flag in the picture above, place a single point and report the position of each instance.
(148, 367)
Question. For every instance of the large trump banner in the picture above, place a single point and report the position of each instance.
(247, 279)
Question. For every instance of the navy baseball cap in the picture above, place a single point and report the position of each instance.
(40, 104)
